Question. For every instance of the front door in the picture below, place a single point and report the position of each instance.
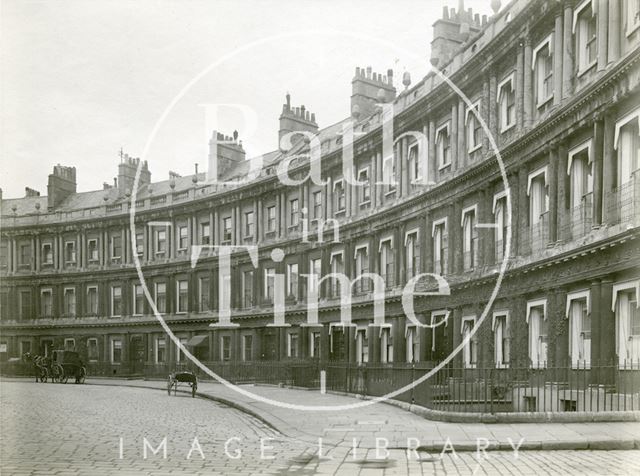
(136, 354)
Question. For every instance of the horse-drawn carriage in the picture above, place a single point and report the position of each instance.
(62, 365)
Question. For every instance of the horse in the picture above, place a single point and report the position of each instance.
(40, 365)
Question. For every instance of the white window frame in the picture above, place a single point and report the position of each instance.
(576, 296)
(536, 173)
(155, 297)
(469, 364)
(414, 180)
(97, 300)
(530, 305)
(445, 231)
(510, 81)
(269, 273)
(64, 303)
(290, 339)
(97, 249)
(50, 292)
(386, 350)
(75, 252)
(134, 302)
(68, 340)
(156, 346)
(244, 347)
(474, 117)
(363, 200)
(112, 239)
(577, 11)
(112, 288)
(360, 337)
(444, 127)
(548, 41)
(113, 348)
(435, 314)
(586, 145)
(337, 210)
(186, 237)
(93, 339)
(293, 292)
(633, 284)
(178, 300)
(50, 245)
(498, 345)
(632, 12)
(158, 241)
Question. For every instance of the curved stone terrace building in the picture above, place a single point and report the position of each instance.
(556, 82)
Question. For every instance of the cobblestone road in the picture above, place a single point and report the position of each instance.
(70, 429)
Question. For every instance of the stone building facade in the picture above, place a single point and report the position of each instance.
(557, 85)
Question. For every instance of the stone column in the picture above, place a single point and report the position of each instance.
(519, 86)
(453, 137)
(603, 34)
(609, 179)
(562, 202)
(527, 85)
(558, 59)
(567, 56)
(553, 192)
(598, 136)
(399, 339)
(615, 23)
(607, 327)
(485, 106)
(432, 165)
(596, 321)
(462, 149)
(492, 111)
(521, 221)
(457, 336)
(404, 167)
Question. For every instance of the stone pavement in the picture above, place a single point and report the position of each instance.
(400, 428)
(74, 429)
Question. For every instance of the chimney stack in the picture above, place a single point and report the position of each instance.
(127, 169)
(451, 32)
(296, 119)
(368, 89)
(61, 184)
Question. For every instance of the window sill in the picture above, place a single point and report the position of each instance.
(587, 68)
(390, 192)
(507, 128)
(475, 148)
(444, 166)
(366, 203)
(339, 213)
(632, 29)
(544, 102)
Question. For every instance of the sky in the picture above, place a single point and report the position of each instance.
(80, 80)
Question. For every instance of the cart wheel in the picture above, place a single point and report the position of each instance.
(64, 378)
(194, 387)
(82, 374)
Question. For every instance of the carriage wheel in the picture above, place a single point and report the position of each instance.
(82, 374)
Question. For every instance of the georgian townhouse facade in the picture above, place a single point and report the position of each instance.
(557, 85)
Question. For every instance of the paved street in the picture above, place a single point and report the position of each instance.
(71, 429)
